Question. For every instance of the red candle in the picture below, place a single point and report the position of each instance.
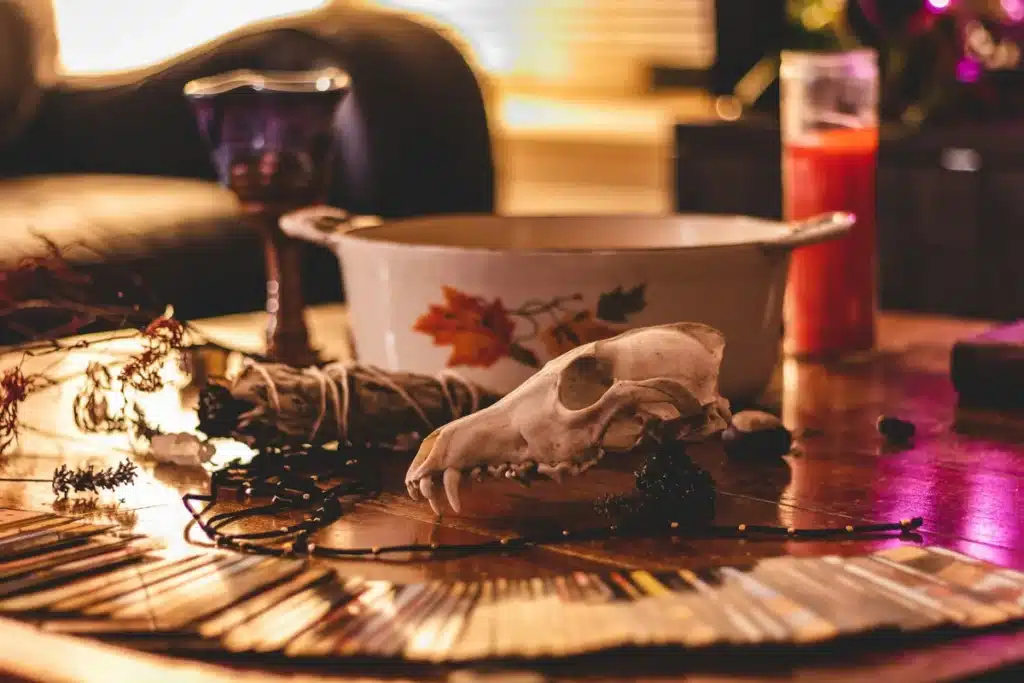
(830, 145)
(831, 296)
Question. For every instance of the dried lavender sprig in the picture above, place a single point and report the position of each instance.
(66, 480)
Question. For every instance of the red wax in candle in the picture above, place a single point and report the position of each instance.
(830, 298)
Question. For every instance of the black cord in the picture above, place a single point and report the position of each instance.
(291, 478)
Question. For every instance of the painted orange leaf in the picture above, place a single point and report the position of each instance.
(574, 330)
(479, 332)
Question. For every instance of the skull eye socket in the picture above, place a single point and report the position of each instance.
(584, 381)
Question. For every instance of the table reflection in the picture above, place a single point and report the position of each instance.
(47, 416)
(965, 486)
(49, 437)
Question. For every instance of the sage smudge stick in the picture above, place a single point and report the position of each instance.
(351, 404)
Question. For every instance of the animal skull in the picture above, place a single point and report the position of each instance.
(601, 397)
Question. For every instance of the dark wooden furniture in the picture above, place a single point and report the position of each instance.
(963, 475)
(949, 206)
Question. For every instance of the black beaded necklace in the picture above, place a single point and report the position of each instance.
(674, 498)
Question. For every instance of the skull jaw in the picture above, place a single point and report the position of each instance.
(486, 444)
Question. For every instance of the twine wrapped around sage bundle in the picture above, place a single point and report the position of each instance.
(358, 405)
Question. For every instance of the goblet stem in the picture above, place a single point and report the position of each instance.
(287, 332)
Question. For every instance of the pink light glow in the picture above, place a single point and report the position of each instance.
(968, 71)
(939, 5)
(1014, 9)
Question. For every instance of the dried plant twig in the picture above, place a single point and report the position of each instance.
(15, 387)
(89, 479)
(45, 299)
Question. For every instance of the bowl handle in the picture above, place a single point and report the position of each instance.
(323, 225)
(825, 226)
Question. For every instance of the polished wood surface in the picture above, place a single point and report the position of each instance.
(962, 475)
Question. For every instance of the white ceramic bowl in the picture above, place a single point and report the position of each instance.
(494, 297)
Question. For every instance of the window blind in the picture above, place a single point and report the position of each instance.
(596, 44)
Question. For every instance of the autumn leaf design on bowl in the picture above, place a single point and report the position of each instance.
(479, 332)
(482, 332)
(572, 331)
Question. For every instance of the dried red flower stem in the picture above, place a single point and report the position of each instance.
(99, 312)
(14, 387)
(49, 289)
(45, 347)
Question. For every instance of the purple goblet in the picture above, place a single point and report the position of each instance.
(270, 135)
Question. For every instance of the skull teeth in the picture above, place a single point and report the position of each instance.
(429, 486)
(452, 478)
(430, 492)
(552, 471)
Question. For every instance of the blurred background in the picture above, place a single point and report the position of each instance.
(598, 106)
(568, 77)
(585, 93)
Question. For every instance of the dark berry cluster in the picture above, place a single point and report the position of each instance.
(669, 487)
(895, 430)
(218, 411)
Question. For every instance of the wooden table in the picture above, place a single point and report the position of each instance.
(963, 476)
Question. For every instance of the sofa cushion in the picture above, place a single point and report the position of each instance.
(181, 240)
(184, 239)
(112, 217)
